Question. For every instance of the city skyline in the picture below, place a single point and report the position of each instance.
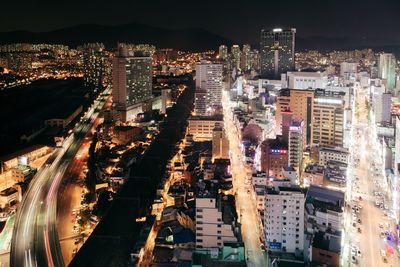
(246, 134)
(337, 21)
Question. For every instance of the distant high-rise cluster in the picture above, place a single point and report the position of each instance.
(277, 48)
(132, 81)
(96, 65)
(223, 52)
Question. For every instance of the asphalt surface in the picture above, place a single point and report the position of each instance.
(35, 239)
(246, 206)
(364, 236)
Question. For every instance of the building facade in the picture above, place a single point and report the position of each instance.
(284, 219)
(277, 49)
(208, 79)
(132, 81)
(387, 70)
(328, 119)
(300, 103)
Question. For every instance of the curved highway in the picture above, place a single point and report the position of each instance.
(35, 239)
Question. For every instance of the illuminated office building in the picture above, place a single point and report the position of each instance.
(277, 48)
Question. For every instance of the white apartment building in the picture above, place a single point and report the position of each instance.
(259, 179)
(306, 80)
(284, 219)
(382, 107)
(209, 78)
(296, 144)
(348, 68)
(211, 230)
(337, 154)
(202, 127)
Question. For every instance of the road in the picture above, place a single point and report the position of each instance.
(245, 205)
(69, 196)
(366, 175)
(35, 239)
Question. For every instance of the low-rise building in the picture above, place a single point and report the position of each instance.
(274, 156)
(126, 134)
(339, 154)
(313, 175)
(10, 196)
(201, 127)
(63, 119)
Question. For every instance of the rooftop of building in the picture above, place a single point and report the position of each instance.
(8, 191)
(304, 73)
(276, 190)
(325, 194)
(124, 128)
(314, 205)
(21, 152)
(334, 149)
(277, 143)
(289, 168)
(314, 168)
(327, 242)
(218, 117)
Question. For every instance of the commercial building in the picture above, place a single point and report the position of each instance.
(220, 144)
(387, 70)
(274, 156)
(132, 81)
(277, 49)
(306, 80)
(336, 172)
(201, 127)
(208, 79)
(339, 154)
(300, 103)
(284, 218)
(328, 119)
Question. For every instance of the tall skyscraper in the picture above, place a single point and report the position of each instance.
(387, 65)
(236, 55)
(277, 48)
(132, 81)
(245, 58)
(208, 79)
(96, 65)
(296, 144)
(223, 52)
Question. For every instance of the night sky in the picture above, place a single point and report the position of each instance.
(240, 21)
